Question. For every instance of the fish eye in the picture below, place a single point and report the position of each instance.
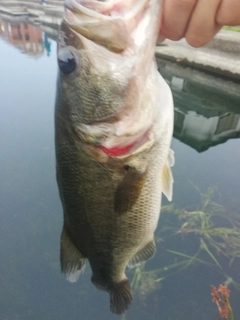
(67, 61)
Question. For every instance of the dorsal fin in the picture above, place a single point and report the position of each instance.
(120, 297)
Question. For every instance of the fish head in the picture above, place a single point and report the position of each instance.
(105, 53)
(91, 89)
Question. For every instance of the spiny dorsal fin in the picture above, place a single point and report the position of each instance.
(72, 261)
(120, 297)
(143, 255)
(128, 190)
(167, 178)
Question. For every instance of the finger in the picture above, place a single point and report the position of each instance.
(160, 38)
(229, 13)
(202, 26)
(176, 14)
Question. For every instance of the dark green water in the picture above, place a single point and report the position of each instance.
(207, 153)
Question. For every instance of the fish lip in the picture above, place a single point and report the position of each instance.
(99, 9)
(112, 28)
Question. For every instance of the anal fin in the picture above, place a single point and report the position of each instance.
(72, 260)
(128, 190)
(143, 255)
(120, 297)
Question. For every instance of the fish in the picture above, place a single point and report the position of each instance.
(113, 130)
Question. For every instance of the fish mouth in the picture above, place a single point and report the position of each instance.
(108, 23)
(109, 8)
(116, 37)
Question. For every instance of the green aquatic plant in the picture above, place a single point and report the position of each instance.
(205, 222)
(216, 228)
(144, 281)
(216, 232)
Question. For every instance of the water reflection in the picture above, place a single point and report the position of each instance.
(30, 210)
(28, 38)
(47, 44)
(207, 109)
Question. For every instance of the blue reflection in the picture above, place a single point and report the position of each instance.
(32, 287)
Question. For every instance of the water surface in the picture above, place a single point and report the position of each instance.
(207, 151)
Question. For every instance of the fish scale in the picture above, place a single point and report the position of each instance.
(113, 129)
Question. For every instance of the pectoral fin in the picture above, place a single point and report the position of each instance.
(167, 178)
(72, 261)
(128, 190)
(171, 158)
(143, 255)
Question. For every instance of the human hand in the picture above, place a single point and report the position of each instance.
(197, 20)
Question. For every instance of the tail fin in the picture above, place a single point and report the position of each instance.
(120, 297)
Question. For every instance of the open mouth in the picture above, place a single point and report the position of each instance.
(108, 8)
(109, 23)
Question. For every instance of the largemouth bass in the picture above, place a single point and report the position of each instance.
(113, 128)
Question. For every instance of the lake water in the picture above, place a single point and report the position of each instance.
(198, 237)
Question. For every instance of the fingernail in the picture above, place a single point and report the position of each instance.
(160, 38)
